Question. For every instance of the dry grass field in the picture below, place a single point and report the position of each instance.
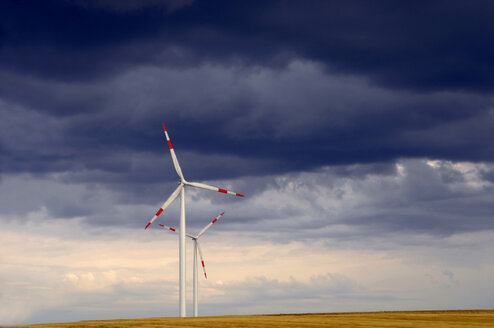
(432, 319)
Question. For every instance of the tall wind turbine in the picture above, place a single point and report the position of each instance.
(197, 250)
(181, 190)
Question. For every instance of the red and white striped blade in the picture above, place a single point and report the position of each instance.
(174, 157)
(208, 187)
(165, 205)
(209, 225)
(175, 230)
(167, 227)
(202, 259)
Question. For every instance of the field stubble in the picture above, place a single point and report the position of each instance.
(439, 319)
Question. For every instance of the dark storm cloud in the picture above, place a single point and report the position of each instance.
(52, 48)
(246, 121)
(66, 40)
(421, 45)
(247, 92)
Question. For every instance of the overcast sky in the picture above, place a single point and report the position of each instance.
(361, 134)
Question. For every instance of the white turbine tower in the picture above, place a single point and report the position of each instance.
(197, 249)
(181, 190)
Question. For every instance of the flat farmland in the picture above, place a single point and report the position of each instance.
(440, 319)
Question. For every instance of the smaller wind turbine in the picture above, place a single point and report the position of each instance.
(197, 249)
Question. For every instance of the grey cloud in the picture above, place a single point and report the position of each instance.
(314, 204)
(488, 175)
(450, 175)
(331, 204)
(425, 201)
(421, 201)
(448, 274)
(361, 171)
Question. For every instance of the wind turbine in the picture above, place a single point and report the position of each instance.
(197, 250)
(181, 190)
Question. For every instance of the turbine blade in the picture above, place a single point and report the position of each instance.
(165, 205)
(175, 230)
(209, 225)
(167, 227)
(202, 259)
(208, 187)
(174, 157)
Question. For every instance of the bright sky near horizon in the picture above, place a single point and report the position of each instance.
(361, 135)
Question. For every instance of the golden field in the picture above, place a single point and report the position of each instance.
(432, 319)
